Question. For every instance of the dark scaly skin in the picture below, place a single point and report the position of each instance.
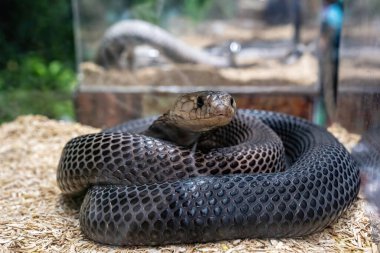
(143, 191)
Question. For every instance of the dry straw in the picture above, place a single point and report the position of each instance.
(35, 218)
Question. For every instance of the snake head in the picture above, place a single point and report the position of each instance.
(202, 111)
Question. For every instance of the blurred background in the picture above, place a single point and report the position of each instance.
(294, 56)
(37, 59)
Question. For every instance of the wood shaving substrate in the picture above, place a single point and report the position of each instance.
(35, 217)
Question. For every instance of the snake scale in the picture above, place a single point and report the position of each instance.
(167, 180)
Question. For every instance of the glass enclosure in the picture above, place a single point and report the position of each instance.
(300, 57)
(359, 73)
(359, 82)
(257, 50)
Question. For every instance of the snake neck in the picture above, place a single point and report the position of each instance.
(164, 128)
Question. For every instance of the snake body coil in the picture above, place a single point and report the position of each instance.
(126, 34)
(144, 191)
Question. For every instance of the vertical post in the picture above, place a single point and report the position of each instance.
(329, 42)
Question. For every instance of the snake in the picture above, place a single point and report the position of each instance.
(124, 35)
(206, 171)
(367, 156)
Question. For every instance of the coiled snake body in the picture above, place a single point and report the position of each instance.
(142, 190)
(126, 34)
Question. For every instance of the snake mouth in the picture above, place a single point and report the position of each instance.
(227, 113)
(214, 122)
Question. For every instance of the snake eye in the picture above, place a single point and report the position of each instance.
(200, 102)
(232, 102)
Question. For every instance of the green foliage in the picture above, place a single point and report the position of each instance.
(154, 11)
(33, 73)
(197, 9)
(32, 86)
(19, 102)
(42, 27)
(146, 10)
(37, 59)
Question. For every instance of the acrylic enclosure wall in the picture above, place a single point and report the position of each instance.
(285, 59)
(359, 73)
(359, 82)
(274, 67)
(306, 58)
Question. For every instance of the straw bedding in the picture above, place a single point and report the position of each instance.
(35, 217)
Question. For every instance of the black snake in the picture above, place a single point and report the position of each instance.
(142, 190)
